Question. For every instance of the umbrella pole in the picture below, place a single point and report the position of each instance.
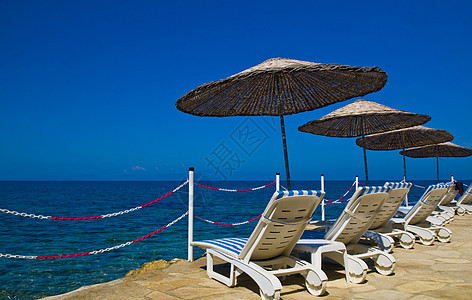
(437, 167)
(404, 165)
(284, 141)
(365, 155)
(437, 163)
(404, 161)
(365, 163)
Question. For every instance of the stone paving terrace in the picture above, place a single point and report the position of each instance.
(440, 271)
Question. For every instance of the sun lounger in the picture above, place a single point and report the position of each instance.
(464, 203)
(381, 230)
(445, 208)
(415, 219)
(355, 219)
(265, 255)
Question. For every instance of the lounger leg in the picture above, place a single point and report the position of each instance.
(384, 263)
(269, 284)
(407, 240)
(460, 211)
(426, 236)
(385, 242)
(356, 269)
(315, 278)
(436, 220)
(229, 281)
(443, 234)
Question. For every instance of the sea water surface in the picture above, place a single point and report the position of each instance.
(32, 279)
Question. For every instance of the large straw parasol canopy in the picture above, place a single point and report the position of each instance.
(438, 150)
(279, 87)
(404, 138)
(415, 136)
(363, 117)
(360, 118)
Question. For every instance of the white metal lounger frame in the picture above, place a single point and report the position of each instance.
(380, 230)
(415, 221)
(464, 203)
(270, 244)
(348, 229)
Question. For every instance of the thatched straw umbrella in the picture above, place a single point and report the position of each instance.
(361, 118)
(404, 138)
(438, 150)
(279, 87)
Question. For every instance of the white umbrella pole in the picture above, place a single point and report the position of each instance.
(190, 213)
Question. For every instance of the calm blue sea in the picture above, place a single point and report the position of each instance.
(32, 279)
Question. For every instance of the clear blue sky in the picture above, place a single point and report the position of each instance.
(88, 88)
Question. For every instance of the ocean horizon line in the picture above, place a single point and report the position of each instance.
(206, 180)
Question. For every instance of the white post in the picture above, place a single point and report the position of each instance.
(190, 213)
(277, 181)
(323, 201)
(452, 178)
(357, 181)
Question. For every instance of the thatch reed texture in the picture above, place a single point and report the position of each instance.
(405, 138)
(439, 150)
(362, 117)
(281, 86)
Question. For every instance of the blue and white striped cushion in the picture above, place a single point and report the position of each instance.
(234, 245)
(399, 185)
(298, 193)
(441, 186)
(435, 186)
(366, 190)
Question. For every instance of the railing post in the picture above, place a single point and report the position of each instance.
(452, 178)
(190, 213)
(357, 181)
(323, 201)
(277, 181)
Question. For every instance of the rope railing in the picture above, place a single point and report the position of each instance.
(228, 224)
(100, 251)
(419, 186)
(232, 190)
(41, 217)
(424, 187)
(328, 202)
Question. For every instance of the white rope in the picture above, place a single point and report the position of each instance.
(230, 224)
(234, 190)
